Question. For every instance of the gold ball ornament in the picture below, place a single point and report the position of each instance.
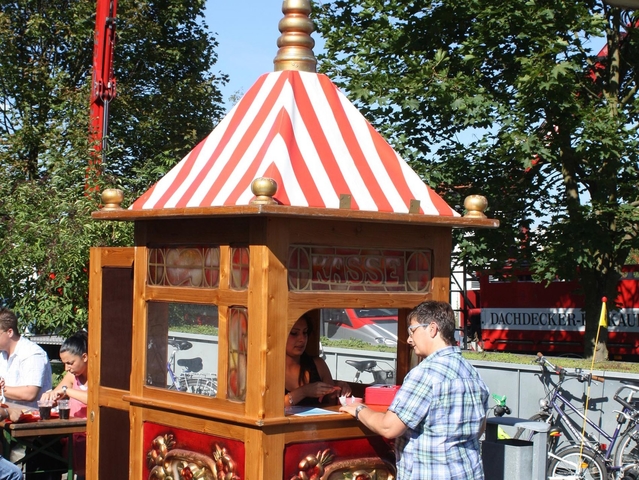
(263, 188)
(475, 206)
(112, 199)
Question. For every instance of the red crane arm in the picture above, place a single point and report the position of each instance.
(103, 84)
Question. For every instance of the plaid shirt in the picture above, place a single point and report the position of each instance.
(443, 402)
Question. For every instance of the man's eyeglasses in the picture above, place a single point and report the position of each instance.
(412, 328)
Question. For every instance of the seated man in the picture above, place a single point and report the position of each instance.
(9, 471)
(25, 370)
(25, 373)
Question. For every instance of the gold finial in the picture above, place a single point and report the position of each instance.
(295, 44)
(475, 206)
(263, 188)
(112, 198)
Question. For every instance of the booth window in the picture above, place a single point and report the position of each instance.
(184, 267)
(360, 344)
(182, 347)
(238, 343)
(239, 268)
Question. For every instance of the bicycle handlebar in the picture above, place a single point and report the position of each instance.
(562, 372)
(623, 402)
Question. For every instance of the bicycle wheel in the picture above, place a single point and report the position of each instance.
(525, 434)
(576, 464)
(202, 386)
(627, 451)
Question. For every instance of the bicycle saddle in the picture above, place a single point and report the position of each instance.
(363, 366)
(180, 344)
(192, 364)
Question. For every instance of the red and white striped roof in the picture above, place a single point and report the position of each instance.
(300, 130)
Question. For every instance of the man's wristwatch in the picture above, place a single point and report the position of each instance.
(64, 390)
(359, 409)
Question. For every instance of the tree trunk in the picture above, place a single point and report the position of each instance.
(596, 286)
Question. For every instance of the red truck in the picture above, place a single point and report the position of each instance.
(518, 315)
(377, 326)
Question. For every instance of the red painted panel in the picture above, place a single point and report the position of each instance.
(222, 454)
(340, 449)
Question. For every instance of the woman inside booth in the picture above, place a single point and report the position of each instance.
(308, 379)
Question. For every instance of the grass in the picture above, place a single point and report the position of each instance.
(583, 363)
(199, 329)
(504, 357)
(356, 345)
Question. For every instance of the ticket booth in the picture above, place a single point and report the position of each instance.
(276, 214)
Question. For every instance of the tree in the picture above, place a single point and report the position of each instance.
(168, 100)
(511, 100)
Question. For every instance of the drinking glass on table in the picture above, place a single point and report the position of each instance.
(63, 408)
(45, 409)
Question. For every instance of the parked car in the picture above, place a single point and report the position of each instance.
(377, 326)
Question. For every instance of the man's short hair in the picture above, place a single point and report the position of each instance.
(8, 320)
(439, 312)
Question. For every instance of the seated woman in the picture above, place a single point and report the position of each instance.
(74, 386)
(308, 379)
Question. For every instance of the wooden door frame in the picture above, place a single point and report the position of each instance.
(100, 257)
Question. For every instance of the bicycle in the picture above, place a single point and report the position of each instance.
(380, 376)
(586, 457)
(189, 380)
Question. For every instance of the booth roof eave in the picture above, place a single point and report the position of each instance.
(298, 212)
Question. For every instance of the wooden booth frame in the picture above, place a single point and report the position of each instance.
(131, 423)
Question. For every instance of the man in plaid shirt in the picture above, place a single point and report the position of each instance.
(439, 412)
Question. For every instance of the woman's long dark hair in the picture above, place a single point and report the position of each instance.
(76, 344)
(306, 361)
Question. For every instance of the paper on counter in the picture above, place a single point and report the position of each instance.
(308, 411)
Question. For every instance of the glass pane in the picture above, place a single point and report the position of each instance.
(239, 268)
(315, 268)
(117, 327)
(114, 442)
(238, 342)
(360, 344)
(184, 267)
(182, 343)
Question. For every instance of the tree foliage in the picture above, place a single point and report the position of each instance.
(168, 100)
(510, 100)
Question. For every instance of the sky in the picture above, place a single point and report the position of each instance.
(247, 33)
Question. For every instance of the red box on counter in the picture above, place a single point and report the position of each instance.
(380, 394)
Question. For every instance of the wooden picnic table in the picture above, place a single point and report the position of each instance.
(42, 436)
